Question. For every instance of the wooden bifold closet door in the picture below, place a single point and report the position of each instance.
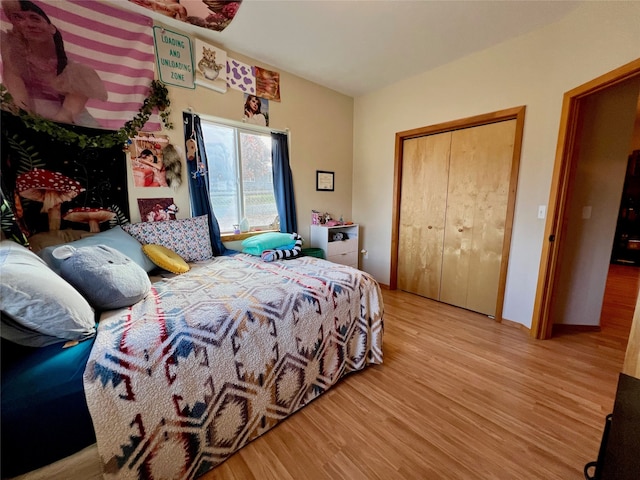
(422, 213)
(453, 210)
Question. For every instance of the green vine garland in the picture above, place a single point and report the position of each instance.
(158, 98)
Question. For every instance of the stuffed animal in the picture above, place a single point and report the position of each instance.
(172, 166)
(192, 149)
(107, 278)
(277, 254)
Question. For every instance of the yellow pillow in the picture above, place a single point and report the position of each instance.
(165, 258)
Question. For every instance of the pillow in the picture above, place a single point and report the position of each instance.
(188, 237)
(115, 238)
(267, 241)
(165, 258)
(106, 277)
(55, 237)
(38, 306)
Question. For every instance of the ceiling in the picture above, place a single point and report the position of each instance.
(358, 46)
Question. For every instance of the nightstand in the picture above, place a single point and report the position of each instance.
(343, 251)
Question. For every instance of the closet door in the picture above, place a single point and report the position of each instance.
(425, 169)
(477, 200)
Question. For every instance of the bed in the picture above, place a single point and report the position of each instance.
(208, 361)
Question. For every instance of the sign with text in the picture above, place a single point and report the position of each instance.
(173, 54)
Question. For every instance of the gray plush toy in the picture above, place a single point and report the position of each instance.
(107, 278)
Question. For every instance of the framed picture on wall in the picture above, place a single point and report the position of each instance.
(324, 181)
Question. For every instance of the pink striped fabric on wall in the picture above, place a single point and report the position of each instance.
(117, 44)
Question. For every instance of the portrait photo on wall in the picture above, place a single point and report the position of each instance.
(210, 66)
(147, 162)
(68, 62)
(256, 110)
(157, 209)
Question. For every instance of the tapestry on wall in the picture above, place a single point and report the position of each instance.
(54, 186)
(210, 14)
(70, 62)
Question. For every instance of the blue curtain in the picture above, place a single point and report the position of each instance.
(283, 183)
(199, 181)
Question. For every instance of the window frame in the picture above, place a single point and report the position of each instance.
(238, 128)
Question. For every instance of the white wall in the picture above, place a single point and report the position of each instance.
(533, 70)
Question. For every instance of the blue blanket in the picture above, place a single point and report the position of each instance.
(44, 411)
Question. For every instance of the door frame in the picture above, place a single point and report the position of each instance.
(561, 185)
(515, 113)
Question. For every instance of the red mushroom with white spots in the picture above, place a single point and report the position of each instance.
(52, 189)
(93, 216)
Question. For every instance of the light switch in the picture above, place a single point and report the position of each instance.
(586, 212)
(542, 211)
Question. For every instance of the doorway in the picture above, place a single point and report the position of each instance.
(558, 236)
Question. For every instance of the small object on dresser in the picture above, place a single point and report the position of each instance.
(338, 236)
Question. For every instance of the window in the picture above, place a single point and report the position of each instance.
(240, 176)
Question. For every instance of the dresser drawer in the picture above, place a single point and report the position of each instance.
(342, 246)
(348, 258)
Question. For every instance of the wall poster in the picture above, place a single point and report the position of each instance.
(157, 209)
(241, 76)
(174, 58)
(147, 159)
(211, 66)
(267, 84)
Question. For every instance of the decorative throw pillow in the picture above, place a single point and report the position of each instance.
(38, 306)
(165, 258)
(116, 238)
(106, 277)
(257, 244)
(189, 237)
(53, 238)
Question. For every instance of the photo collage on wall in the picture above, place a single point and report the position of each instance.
(210, 66)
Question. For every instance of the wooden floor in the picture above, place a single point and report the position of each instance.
(458, 397)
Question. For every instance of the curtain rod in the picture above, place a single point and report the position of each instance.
(235, 123)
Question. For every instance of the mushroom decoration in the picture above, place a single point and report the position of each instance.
(51, 189)
(93, 216)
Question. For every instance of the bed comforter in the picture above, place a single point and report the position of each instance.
(213, 358)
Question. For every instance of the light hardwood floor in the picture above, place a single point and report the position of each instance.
(458, 397)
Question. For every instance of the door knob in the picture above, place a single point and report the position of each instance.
(459, 229)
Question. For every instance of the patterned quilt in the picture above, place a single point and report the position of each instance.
(215, 357)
